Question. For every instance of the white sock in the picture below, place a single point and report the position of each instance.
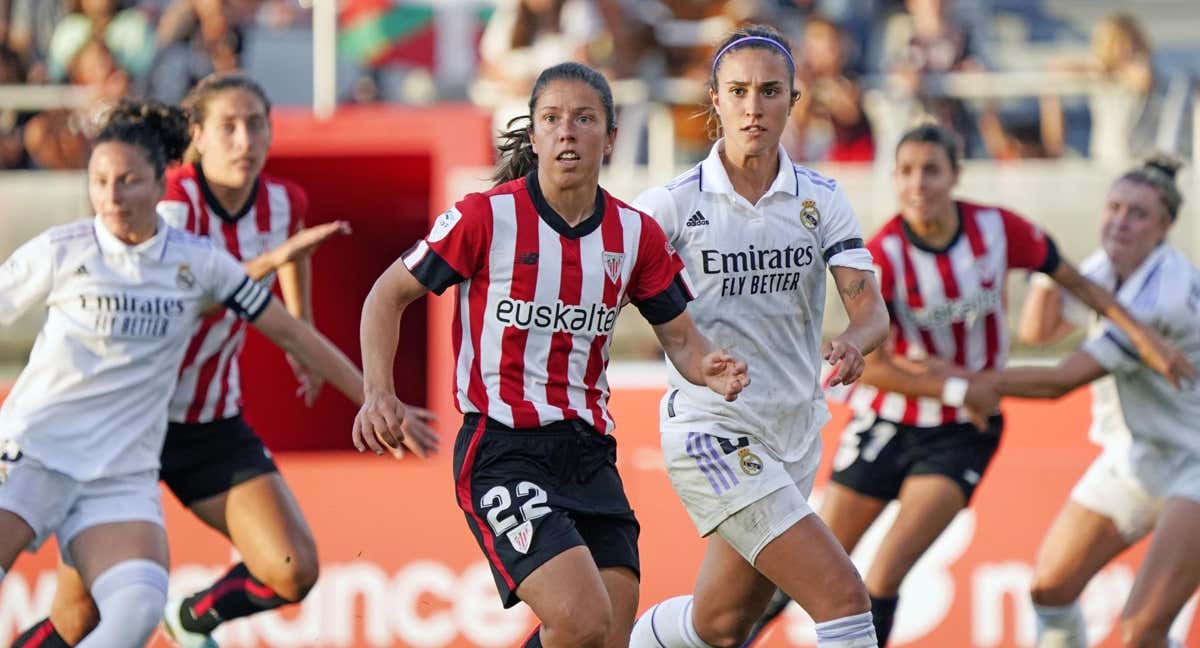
(667, 625)
(856, 631)
(1060, 626)
(1171, 643)
(131, 596)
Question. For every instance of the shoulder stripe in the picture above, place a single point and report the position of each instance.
(691, 175)
(816, 178)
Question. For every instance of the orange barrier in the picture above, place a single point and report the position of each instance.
(399, 567)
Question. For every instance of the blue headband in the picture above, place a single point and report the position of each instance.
(787, 54)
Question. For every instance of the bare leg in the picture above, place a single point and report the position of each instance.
(1169, 575)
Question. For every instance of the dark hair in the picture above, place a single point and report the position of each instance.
(197, 99)
(515, 149)
(1158, 172)
(937, 135)
(756, 34)
(156, 128)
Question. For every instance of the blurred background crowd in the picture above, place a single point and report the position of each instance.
(1016, 79)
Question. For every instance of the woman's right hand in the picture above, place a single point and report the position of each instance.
(309, 239)
(724, 374)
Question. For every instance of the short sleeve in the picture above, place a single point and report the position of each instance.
(658, 202)
(455, 248)
(174, 212)
(229, 285)
(658, 285)
(26, 279)
(1028, 247)
(1113, 350)
(841, 239)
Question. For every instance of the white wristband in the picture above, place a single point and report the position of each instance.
(954, 391)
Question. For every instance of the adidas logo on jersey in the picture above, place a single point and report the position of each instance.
(81, 271)
(696, 220)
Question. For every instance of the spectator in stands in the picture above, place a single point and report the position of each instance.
(31, 24)
(58, 139)
(12, 149)
(827, 122)
(927, 39)
(1123, 103)
(126, 32)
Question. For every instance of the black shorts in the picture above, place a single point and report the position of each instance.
(200, 460)
(876, 456)
(530, 494)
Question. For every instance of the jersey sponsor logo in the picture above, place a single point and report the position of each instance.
(967, 308)
(810, 216)
(696, 220)
(131, 316)
(757, 260)
(612, 265)
(443, 224)
(592, 319)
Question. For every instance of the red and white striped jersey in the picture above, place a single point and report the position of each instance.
(209, 381)
(949, 303)
(538, 299)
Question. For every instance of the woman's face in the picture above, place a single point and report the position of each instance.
(123, 188)
(234, 138)
(924, 178)
(753, 99)
(570, 134)
(1135, 222)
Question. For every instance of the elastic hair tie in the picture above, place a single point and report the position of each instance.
(744, 39)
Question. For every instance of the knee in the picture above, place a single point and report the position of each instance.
(1140, 631)
(588, 629)
(295, 577)
(724, 629)
(849, 598)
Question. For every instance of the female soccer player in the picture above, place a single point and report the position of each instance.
(543, 262)
(922, 434)
(757, 234)
(85, 422)
(1148, 477)
(212, 460)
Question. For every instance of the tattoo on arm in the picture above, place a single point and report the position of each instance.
(855, 288)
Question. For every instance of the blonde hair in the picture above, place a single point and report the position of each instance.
(1117, 39)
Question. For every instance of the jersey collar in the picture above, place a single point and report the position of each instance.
(557, 222)
(111, 245)
(210, 198)
(1141, 276)
(714, 179)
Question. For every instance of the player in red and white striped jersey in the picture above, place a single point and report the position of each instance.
(212, 460)
(921, 433)
(543, 262)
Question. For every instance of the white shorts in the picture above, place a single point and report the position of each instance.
(51, 502)
(1129, 482)
(719, 472)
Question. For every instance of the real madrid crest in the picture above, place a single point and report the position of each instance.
(809, 214)
(749, 462)
(184, 277)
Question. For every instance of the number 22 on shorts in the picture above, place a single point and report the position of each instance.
(497, 501)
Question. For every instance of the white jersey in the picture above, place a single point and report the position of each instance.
(92, 401)
(759, 278)
(1164, 292)
(1108, 421)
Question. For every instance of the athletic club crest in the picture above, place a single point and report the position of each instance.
(809, 214)
(522, 536)
(749, 462)
(612, 265)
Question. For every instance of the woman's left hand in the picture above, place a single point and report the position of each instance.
(847, 361)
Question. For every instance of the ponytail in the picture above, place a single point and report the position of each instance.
(515, 151)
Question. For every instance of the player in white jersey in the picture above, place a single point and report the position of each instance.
(1147, 478)
(757, 234)
(84, 424)
(212, 461)
(543, 262)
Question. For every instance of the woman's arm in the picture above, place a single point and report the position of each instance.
(297, 246)
(696, 360)
(381, 418)
(868, 326)
(1042, 320)
(1154, 351)
(311, 348)
(1074, 371)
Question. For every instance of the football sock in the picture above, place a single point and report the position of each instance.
(883, 611)
(1060, 626)
(847, 632)
(667, 625)
(236, 594)
(41, 635)
(130, 596)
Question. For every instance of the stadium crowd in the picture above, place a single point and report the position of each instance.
(864, 68)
